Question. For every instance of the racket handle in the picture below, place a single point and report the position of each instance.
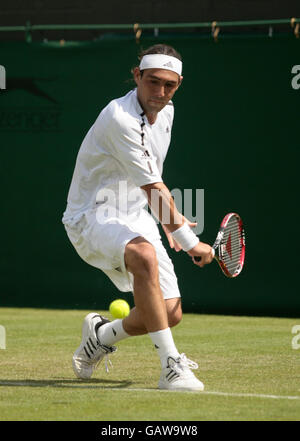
(198, 258)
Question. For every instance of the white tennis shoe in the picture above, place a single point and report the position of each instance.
(178, 375)
(90, 352)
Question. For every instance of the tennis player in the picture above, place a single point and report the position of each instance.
(118, 172)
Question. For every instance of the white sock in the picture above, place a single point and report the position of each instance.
(164, 343)
(111, 333)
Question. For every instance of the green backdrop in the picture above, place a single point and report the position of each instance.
(235, 134)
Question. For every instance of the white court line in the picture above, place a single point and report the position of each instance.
(131, 389)
(276, 397)
(208, 392)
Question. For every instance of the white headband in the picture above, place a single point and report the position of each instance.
(160, 61)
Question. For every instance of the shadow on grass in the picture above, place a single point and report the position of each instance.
(67, 383)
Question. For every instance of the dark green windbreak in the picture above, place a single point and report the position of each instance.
(235, 135)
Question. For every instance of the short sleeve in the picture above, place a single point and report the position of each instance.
(126, 146)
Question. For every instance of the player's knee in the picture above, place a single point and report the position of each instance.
(146, 260)
(141, 258)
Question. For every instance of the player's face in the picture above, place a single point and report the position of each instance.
(156, 88)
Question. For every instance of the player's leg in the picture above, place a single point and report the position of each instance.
(176, 371)
(141, 261)
(151, 310)
(151, 313)
(134, 325)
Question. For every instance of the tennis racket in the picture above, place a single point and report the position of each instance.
(229, 246)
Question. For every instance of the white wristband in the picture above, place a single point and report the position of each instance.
(185, 237)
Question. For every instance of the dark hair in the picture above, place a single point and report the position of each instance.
(160, 49)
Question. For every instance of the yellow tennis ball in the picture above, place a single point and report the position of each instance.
(119, 308)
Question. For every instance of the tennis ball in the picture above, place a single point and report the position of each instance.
(119, 308)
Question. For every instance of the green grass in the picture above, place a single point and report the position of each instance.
(236, 356)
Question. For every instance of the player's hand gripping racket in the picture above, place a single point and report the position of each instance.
(229, 246)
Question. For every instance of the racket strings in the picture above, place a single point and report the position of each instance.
(231, 246)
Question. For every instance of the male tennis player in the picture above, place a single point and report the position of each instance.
(118, 171)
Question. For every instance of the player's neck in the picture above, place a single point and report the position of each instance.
(151, 117)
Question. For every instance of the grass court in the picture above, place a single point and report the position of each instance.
(248, 366)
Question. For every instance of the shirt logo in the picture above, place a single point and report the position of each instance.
(146, 154)
(167, 130)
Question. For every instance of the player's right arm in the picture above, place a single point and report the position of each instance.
(163, 207)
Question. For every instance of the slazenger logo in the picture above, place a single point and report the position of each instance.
(30, 85)
(29, 118)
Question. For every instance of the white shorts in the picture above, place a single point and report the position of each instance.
(102, 245)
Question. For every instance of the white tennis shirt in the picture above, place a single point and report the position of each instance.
(120, 153)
